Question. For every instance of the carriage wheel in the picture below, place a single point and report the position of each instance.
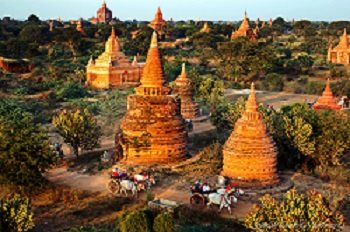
(113, 186)
(197, 200)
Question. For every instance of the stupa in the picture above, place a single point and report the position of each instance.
(245, 30)
(112, 69)
(206, 28)
(103, 15)
(158, 22)
(341, 53)
(152, 130)
(250, 154)
(183, 87)
(327, 101)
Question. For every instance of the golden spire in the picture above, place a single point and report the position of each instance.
(153, 75)
(328, 87)
(344, 41)
(245, 22)
(252, 105)
(113, 32)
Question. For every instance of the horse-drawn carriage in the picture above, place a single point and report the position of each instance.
(223, 195)
(122, 182)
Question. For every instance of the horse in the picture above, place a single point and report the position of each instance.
(128, 185)
(223, 200)
(236, 191)
(148, 180)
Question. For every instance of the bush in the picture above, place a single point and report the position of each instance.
(315, 87)
(136, 221)
(273, 82)
(16, 214)
(71, 91)
(309, 211)
(164, 223)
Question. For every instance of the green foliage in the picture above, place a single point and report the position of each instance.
(88, 228)
(24, 151)
(164, 222)
(16, 214)
(297, 212)
(314, 87)
(273, 82)
(71, 91)
(79, 129)
(136, 221)
(149, 196)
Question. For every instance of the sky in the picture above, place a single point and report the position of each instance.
(213, 10)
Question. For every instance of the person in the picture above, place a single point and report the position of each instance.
(115, 173)
(190, 125)
(197, 186)
(228, 188)
(206, 187)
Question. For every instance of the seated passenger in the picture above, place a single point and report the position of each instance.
(197, 186)
(115, 173)
(206, 187)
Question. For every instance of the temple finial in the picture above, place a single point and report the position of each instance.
(113, 32)
(252, 105)
(154, 41)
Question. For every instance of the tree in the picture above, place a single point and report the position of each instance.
(136, 221)
(273, 82)
(24, 151)
(297, 212)
(79, 129)
(16, 214)
(33, 18)
(164, 222)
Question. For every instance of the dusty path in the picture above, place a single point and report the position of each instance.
(97, 183)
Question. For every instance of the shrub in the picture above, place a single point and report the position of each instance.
(164, 222)
(16, 214)
(295, 212)
(136, 221)
(71, 91)
(315, 87)
(273, 82)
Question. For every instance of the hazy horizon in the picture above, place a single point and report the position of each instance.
(226, 10)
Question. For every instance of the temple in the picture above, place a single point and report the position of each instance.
(152, 130)
(183, 88)
(341, 53)
(250, 154)
(245, 30)
(80, 27)
(104, 15)
(112, 69)
(327, 101)
(206, 28)
(158, 22)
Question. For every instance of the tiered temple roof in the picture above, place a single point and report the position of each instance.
(112, 69)
(104, 14)
(183, 87)
(250, 154)
(152, 130)
(327, 100)
(341, 53)
(245, 30)
(158, 22)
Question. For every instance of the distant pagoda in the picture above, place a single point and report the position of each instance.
(152, 130)
(183, 87)
(245, 30)
(250, 154)
(327, 100)
(206, 28)
(103, 15)
(158, 22)
(112, 69)
(341, 53)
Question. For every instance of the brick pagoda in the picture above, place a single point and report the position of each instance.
(112, 69)
(327, 100)
(341, 53)
(245, 30)
(104, 15)
(250, 154)
(158, 22)
(183, 87)
(152, 130)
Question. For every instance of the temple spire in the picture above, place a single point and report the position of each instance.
(113, 32)
(154, 40)
(344, 41)
(328, 87)
(252, 105)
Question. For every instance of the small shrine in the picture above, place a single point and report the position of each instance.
(327, 100)
(341, 53)
(183, 88)
(152, 130)
(250, 154)
(206, 28)
(158, 22)
(112, 69)
(245, 30)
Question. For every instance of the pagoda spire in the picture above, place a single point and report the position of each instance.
(344, 41)
(252, 105)
(113, 32)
